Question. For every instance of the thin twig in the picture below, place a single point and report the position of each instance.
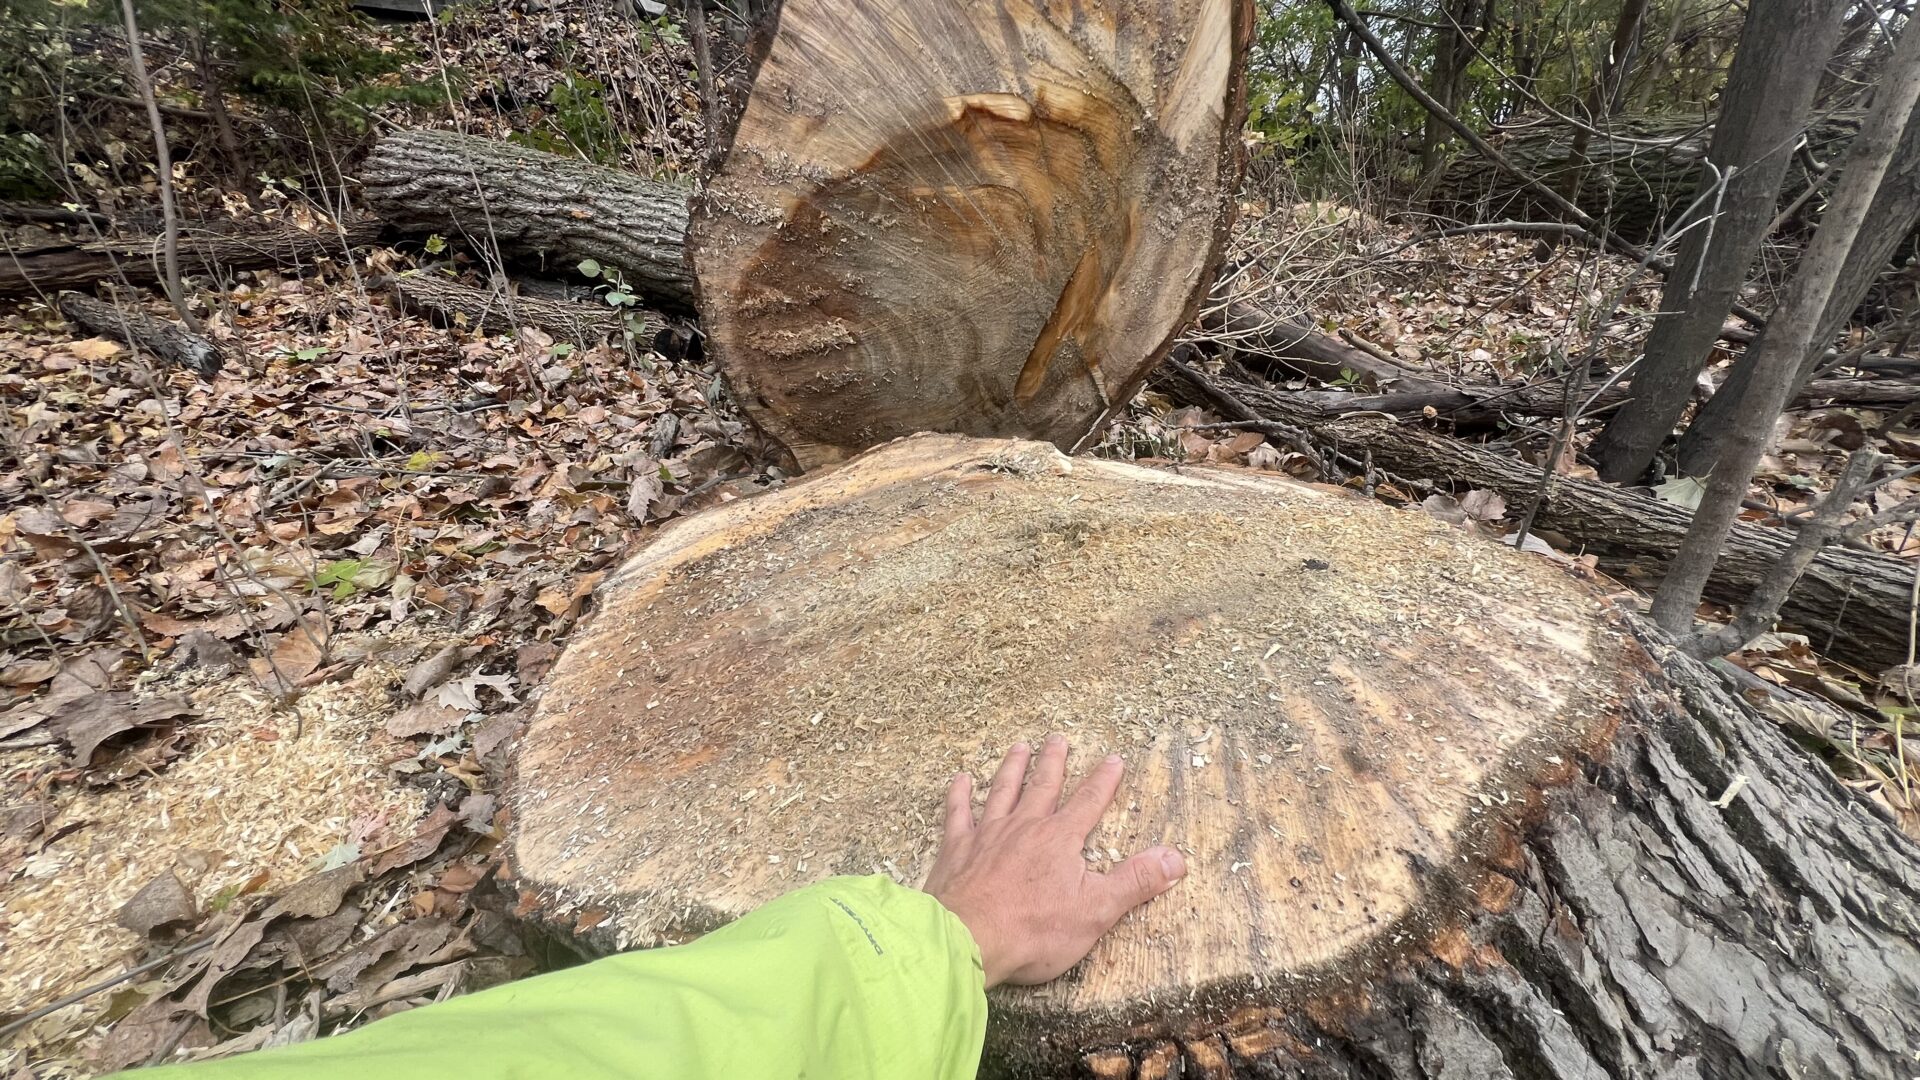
(55, 1006)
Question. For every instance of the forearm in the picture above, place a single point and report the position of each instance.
(849, 978)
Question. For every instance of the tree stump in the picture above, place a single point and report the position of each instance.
(1444, 816)
(989, 218)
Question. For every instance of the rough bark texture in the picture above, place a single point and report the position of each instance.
(1633, 930)
(170, 341)
(137, 261)
(1890, 226)
(1638, 177)
(1853, 604)
(1404, 391)
(533, 206)
(1768, 97)
(492, 312)
(987, 218)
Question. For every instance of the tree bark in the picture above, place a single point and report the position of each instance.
(1605, 98)
(1852, 604)
(493, 312)
(136, 261)
(1768, 95)
(1638, 930)
(1893, 217)
(1776, 358)
(1465, 25)
(169, 341)
(528, 205)
(1407, 392)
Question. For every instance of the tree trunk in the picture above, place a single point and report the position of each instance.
(1002, 242)
(137, 261)
(1604, 99)
(1445, 817)
(1768, 95)
(1777, 357)
(169, 341)
(1891, 223)
(1852, 604)
(1640, 175)
(522, 204)
(494, 312)
(1409, 392)
(1464, 24)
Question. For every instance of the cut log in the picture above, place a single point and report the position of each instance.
(164, 338)
(1442, 816)
(1852, 604)
(137, 261)
(532, 206)
(497, 312)
(989, 218)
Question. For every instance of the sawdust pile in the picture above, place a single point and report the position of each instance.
(265, 793)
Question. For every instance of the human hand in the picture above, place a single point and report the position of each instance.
(1016, 877)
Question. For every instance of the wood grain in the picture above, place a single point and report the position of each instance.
(988, 218)
(1332, 707)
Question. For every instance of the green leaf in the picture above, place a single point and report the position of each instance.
(436, 244)
(314, 353)
(619, 299)
(422, 460)
(589, 268)
(561, 349)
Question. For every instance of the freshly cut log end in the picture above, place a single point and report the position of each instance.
(1340, 712)
(988, 218)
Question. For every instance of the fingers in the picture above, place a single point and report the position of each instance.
(1042, 796)
(959, 807)
(1142, 878)
(1091, 799)
(1005, 791)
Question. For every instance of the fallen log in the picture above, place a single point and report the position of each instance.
(1404, 391)
(490, 311)
(1852, 604)
(165, 339)
(136, 261)
(532, 206)
(1637, 175)
(1444, 816)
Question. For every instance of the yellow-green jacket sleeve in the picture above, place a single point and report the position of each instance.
(849, 979)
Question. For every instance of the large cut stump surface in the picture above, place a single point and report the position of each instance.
(1334, 708)
(987, 217)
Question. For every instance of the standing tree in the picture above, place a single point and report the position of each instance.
(1890, 224)
(1777, 357)
(1764, 110)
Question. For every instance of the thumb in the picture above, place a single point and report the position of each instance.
(1143, 877)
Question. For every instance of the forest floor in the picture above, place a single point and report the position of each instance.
(269, 635)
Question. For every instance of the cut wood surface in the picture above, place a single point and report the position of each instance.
(136, 261)
(989, 218)
(1335, 709)
(528, 205)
